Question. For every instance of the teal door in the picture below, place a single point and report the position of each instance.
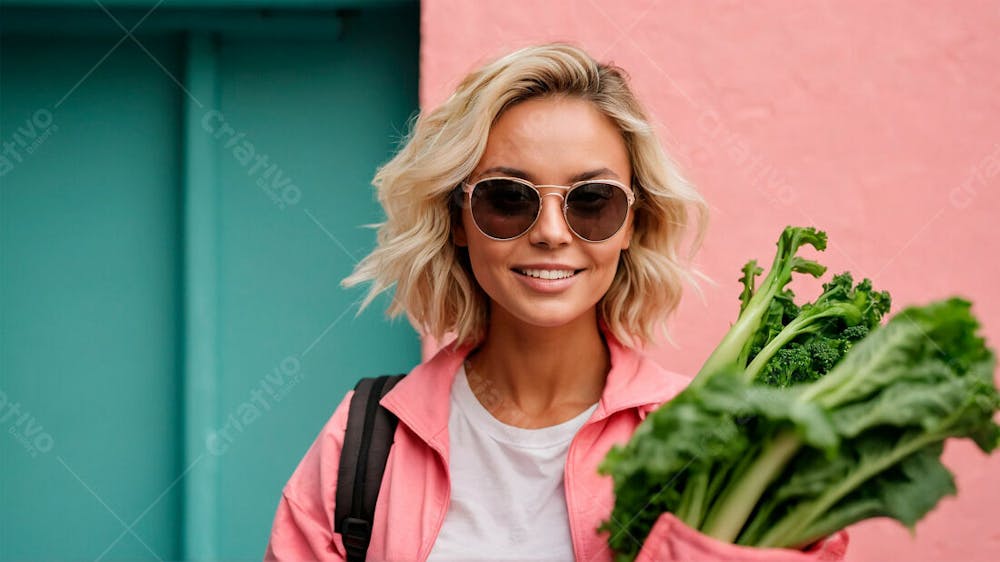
(176, 214)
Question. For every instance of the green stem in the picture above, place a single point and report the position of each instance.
(730, 513)
(802, 324)
(727, 353)
(698, 483)
(787, 334)
(719, 478)
(797, 520)
(755, 528)
(684, 507)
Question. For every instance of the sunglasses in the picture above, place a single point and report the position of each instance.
(506, 208)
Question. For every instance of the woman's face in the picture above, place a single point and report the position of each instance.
(548, 141)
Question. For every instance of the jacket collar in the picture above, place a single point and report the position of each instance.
(421, 400)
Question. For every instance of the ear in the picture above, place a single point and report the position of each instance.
(629, 231)
(458, 235)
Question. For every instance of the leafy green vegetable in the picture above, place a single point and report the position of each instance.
(759, 308)
(806, 419)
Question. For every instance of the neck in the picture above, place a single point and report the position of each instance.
(541, 373)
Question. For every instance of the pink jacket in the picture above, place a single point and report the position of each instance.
(415, 491)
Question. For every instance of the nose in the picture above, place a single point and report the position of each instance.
(551, 229)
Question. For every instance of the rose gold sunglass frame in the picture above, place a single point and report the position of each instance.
(468, 188)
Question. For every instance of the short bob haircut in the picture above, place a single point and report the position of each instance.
(415, 254)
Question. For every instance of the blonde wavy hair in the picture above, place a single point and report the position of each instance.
(415, 254)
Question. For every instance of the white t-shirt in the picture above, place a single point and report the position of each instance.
(507, 497)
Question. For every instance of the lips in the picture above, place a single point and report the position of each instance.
(547, 277)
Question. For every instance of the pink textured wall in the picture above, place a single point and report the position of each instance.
(877, 122)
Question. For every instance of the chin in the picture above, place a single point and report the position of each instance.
(540, 318)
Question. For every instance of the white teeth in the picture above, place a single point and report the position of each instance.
(548, 273)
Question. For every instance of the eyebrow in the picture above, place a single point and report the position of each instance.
(514, 172)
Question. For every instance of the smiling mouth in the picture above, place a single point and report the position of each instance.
(548, 274)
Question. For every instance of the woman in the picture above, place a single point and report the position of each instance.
(535, 216)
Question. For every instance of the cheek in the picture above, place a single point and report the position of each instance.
(609, 258)
(485, 257)
(606, 269)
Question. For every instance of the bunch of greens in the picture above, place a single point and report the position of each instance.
(806, 419)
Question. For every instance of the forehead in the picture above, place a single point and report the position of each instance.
(556, 138)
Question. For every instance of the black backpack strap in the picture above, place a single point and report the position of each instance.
(370, 430)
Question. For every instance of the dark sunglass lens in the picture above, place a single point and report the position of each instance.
(596, 211)
(504, 208)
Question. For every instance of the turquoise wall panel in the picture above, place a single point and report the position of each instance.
(291, 345)
(172, 330)
(90, 294)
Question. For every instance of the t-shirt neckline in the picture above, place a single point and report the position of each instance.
(550, 436)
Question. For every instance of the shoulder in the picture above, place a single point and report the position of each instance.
(636, 380)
